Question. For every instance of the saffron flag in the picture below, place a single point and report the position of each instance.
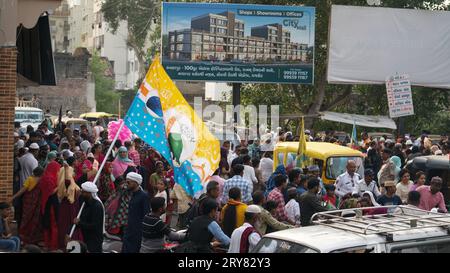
(162, 118)
(301, 145)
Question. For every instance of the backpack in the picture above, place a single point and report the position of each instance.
(194, 209)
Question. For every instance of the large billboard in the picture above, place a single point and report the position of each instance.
(238, 43)
(368, 44)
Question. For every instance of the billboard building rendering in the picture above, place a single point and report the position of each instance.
(220, 37)
(238, 43)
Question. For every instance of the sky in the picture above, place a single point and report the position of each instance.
(178, 16)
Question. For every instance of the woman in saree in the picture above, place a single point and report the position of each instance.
(50, 204)
(116, 208)
(68, 195)
(121, 163)
(106, 186)
(30, 230)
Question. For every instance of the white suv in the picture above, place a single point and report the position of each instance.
(405, 231)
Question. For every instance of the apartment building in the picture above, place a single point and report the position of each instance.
(81, 18)
(59, 27)
(89, 29)
(114, 47)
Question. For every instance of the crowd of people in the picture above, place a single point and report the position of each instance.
(136, 198)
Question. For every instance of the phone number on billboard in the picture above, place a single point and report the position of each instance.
(295, 75)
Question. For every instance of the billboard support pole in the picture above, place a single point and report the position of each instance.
(236, 101)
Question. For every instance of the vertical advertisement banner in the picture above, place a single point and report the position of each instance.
(238, 43)
(399, 96)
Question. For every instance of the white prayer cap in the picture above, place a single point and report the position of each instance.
(253, 209)
(90, 155)
(34, 146)
(16, 134)
(135, 177)
(89, 187)
(67, 153)
(20, 144)
(85, 145)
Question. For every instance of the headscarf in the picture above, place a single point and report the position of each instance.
(105, 170)
(271, 182)
(85, 146)
(87, 164)
(106, 187)
(120, 165)
(70, 191)
(398, 163)
(51, 155)
(48, 182)
(372, 198)
(123, 159)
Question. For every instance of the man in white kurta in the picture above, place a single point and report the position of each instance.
(245, 238)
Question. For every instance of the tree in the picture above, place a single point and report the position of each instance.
(106, 98)
(309, 100)
(141, 16)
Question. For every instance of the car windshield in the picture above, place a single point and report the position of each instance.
(338, 165)
(32, 116)
(270, 245)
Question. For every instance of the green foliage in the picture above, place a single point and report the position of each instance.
(430, 104)
(140, 16)
(106, 98)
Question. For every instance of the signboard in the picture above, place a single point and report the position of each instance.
(368, 43)
(399, 96)
(238, 43)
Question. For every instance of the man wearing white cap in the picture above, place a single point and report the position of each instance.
(245, 238)
(28, 163)
(137, 209)
(91, 221)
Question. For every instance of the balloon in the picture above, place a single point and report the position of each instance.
(113, 127)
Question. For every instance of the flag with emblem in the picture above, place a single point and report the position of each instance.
(162, 118)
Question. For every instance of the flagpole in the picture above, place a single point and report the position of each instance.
(100, 171)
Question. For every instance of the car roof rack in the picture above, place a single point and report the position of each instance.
(404, 218)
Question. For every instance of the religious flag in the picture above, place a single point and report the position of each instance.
(301, 144)
(162, 118)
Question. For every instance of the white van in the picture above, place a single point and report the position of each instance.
(406, 231)
(29, 116)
